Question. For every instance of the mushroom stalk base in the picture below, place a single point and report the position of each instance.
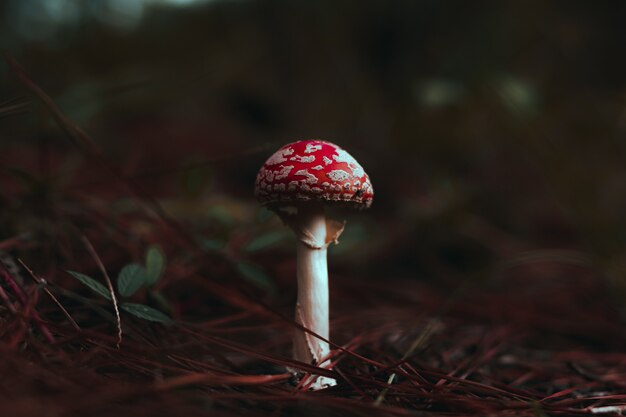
(312, 304)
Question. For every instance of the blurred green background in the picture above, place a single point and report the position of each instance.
(491, 129)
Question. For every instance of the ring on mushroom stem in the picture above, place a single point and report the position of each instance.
(298, 181)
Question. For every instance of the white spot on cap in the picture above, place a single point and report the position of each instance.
(310, 178)
(280, 156)
(310, 148)
(327, 160)
(306, 159)
(338, 175)
(318, 167)
(343, 156)
(283, 172)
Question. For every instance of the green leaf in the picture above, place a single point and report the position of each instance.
(155, 265)
(145, 312)
(264, 214)
(518, 95)
(160, 301)
(221, 214)
(436, 93)
(267, 240)
(194, 177)
(93, 285)
(255, 275)
(212, 245)
(130, 279)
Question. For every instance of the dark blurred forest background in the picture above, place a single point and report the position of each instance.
(488, 128)
(494, 133)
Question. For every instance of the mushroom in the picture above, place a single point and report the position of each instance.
(297, 182)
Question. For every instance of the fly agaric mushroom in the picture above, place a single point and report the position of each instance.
(296, 182)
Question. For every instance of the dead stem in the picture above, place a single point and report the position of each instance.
(96, 258)
(42, 282)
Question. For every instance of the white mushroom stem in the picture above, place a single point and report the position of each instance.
(314, 232)
(312, 304)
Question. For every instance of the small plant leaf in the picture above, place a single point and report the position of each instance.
(518, 95)
(255, 275)
(264, 214)
(93, 285)
(159, 299)
(221, 214)
(130, 279)
(194, 177)
(155, 265)
(212, 245)
(145, 312)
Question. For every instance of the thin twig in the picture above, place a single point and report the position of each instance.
(98, 261)
(14, 106)
(423, 337)
(44, 285)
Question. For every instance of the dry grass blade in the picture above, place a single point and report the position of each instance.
(73, 130)
(418, 343)
(105, 274)
(212, 379)
(42, 282)
(13, 106)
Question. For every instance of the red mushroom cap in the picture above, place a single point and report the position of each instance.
(313, 170)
